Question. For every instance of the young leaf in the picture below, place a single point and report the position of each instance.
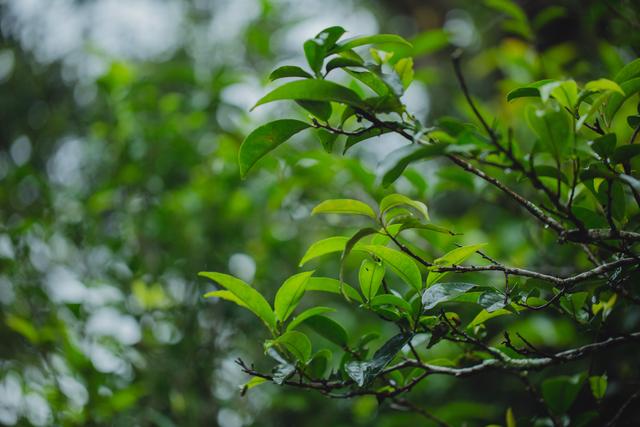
(602, 85)
(442, 292)
(364, 373)
(245, 293)
(370, 277)
(314, 311)
(328, 329)
(264, 139)
(341, 62)
(289, 71)
(290, 293)
(297, 344)
(375, 39)
(326, 284)
(324, 247)
(227, 296)
(390, 299)
(598, 384)
(367, 134)
(453, 257)
(530, 90)
(344, 206)
(313, 90)
(395, 200)
(399, 262)
(253, 382)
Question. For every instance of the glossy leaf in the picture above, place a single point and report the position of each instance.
(297, 344)
(313, 90)
(454, 257)
(289, 71)
(245, 293)
(390, 299)
(598, 385)
(531, 90)
(341, 62)
(443, 292)
(366, 40)
(326, 284)
(344, 206)
(324, 247)
(227, 296)
(395, 200)
(363, 373)
(289, 294)
(314, 311)
(399, 262)
(370, 277)
(603, 84)
(266, 138)
(328, 329)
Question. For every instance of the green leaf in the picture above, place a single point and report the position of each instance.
(367, 134)
(422, 153)
(390, 299)
(615, 101)
(530, 90)
(317, 367)
(344, 206)
(605, 145)
(395, 200)
(442, 292)
(559, 393)
(227, 296)
(290, 293)
(297, 344)
(373, 81)
(598, 384)
(317, 48)
(633, 121)
(341, 62)
(320, 109)
(264, 139)
(328, 329)
(484, 315)
(400, 263)
(324, 247)
(625, 153)
(492, 300)
(300, 318)
(253, 382)
(628, 72)
(327, 139)
(602, 85)
(326, 284)
(404, 69)
(375, 39)
(565, 92)
(510, 419)
(363, 373)
(245, 293)
(289, 71)
(370, 277)
(313, 90)
(553, 128)
(453, 257)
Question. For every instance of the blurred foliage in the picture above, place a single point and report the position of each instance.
(119, 181)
